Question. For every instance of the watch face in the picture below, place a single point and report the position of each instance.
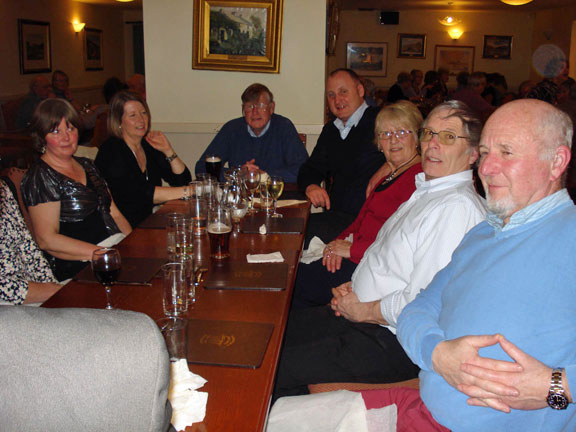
(557, 401)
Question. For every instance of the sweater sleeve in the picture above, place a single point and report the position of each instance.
(315, 169)
(218, 146)
(294, 152)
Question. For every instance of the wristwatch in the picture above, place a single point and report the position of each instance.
(556, 398)
(171, 158)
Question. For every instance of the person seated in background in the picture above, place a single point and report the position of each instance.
(524, 88)
(39, 90)
(135, 160)
(494, 331)
(472, 95)
(345, 158)
(397, 137)
(112, 86)
(137, 84)
(443, 78)
(259, 140)
(417, 80)
(402, 86)
(369, 92)
(496, 87)
(68, 200)
(25, 276)
(61, 88)
(412, 245)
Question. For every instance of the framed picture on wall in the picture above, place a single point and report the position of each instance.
(93, 49)
(497, 47)
(454, 58)
(367, 58)
(34, 46)
(234, 35)
(411, 45)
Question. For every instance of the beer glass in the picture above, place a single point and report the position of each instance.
(213, 165)
(219, 229)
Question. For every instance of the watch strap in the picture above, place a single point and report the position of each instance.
(171, 158)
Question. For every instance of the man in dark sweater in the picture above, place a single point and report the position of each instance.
(345, 157)
(260, 139)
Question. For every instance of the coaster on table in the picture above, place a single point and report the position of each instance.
(240, 275)
(228, 343)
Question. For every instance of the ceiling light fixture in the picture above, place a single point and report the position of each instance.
(449, 20)
(516, 2)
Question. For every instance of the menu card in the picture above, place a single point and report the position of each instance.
(285, 225)
(228, 343)
(240, 275)
(137, 271)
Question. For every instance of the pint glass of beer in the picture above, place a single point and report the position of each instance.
(219, 229)
(213, 165)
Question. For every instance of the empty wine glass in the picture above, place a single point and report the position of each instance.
(275, 186)
(251, 181)
(106, 265)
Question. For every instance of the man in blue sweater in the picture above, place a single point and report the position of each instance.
(260, 139)
(494, 332)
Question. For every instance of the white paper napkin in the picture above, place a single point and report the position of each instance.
(188, 405)
(314, 252)
(113, 240)
(316, 413)
(265, 258)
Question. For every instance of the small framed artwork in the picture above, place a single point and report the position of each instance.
(497, 47)
(367, 58)
(93, 49)
(454, 58)
(34, 46)
(234, 35)
(411, 46)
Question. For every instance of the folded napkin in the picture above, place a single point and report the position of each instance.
(188, 405)
(265, 258)
(262, 230)
(314, 252)
(312, 413)
(113, 240)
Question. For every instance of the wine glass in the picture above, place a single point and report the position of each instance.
(275, 186)
(252, 181)
(106, 267)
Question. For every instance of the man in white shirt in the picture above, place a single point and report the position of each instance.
(356, 342)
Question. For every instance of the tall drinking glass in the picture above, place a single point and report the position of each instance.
(175, 289)
(275, 185)
(219, 229)
(106, 264)
(213, 165)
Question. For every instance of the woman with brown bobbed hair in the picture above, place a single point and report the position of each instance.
(67, 198)
(396, 135)
(135, 160)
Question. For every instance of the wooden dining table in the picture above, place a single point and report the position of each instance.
(238, 398)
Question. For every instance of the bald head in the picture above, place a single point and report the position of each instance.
(524, 152)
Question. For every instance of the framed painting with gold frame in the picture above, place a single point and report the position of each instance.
(242, 36)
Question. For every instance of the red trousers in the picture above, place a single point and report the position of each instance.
(413, 416)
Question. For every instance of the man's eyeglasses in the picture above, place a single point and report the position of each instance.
(251, 106)
(387, 135)
(445, 137)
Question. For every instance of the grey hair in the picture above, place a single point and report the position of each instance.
(554, 129)
(471, 124)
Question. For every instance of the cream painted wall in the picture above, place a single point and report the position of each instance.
(190, 105)
(364, 26)
(66, 45)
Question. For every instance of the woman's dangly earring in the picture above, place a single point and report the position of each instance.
(43, 149)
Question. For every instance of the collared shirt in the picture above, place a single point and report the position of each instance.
(417, 241)
(530, 213)
(253, 135)
(352, 121)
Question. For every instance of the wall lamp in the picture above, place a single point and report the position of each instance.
(455, 33)
(78, 26)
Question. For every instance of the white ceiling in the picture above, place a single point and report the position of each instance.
(456, 5)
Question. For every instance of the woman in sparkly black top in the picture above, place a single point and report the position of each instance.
(68, 200)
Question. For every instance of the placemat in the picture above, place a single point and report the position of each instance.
(137, 271)
(285, 225)
(228, 343)
(238, 275)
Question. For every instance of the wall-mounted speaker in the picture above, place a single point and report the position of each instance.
(389, 18)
